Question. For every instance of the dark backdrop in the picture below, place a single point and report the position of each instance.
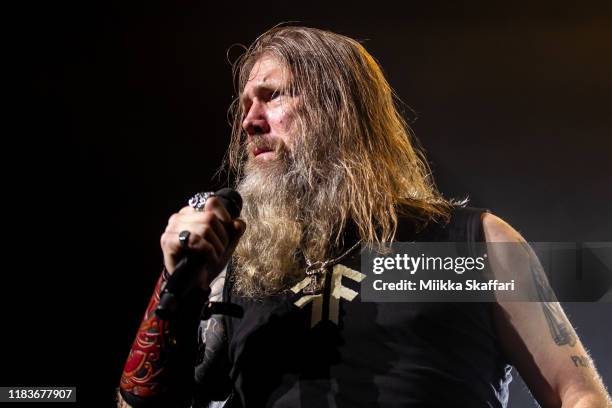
(120, 115)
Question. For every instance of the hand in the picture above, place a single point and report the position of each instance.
(213, 234)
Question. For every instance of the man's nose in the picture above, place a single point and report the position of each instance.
(255, 122)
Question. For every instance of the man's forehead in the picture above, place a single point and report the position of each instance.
(266, 71)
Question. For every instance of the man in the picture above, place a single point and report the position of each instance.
(324, 162)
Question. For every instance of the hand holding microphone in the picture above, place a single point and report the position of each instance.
(165, 343)
(197, 244)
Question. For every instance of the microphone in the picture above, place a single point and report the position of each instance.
(183, 278)
(231, 200)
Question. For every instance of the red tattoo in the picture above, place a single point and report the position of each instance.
(146, 361)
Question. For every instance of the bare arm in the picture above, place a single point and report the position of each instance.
(537, 336)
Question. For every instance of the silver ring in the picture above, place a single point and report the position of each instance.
(184, 239)
(198, 201)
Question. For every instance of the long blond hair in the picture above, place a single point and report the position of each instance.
(347, 107)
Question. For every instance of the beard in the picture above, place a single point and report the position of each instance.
(292, 209)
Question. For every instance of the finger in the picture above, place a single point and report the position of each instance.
(170, 243)
(220, 231)
(208, 234)
(203, 241)
(187, 210)
(214, 204)
(205, 231)
(199, 241)
(179, 218)
(206, 248)
(239, 227)
(198, 224)
(207, 218)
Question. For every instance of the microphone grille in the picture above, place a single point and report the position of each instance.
(231, 200)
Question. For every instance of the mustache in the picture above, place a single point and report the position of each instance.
(260, 142)
(282, 151)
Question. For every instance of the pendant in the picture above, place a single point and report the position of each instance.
(316, 272)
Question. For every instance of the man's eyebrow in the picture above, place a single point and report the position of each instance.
(263, 85)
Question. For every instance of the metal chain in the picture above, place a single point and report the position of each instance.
(316, 270)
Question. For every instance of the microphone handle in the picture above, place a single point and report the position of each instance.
(178, 285)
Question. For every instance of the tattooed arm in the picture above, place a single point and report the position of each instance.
(159, 366)
(537, 336)
(149, 364)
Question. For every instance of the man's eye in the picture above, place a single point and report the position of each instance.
(275, 95)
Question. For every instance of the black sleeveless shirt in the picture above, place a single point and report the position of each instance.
(377, 355)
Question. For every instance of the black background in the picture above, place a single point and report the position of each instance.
(119, 115)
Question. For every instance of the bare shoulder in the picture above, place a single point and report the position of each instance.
(498, 230)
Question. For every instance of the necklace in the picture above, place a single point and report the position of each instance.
(316, 271)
